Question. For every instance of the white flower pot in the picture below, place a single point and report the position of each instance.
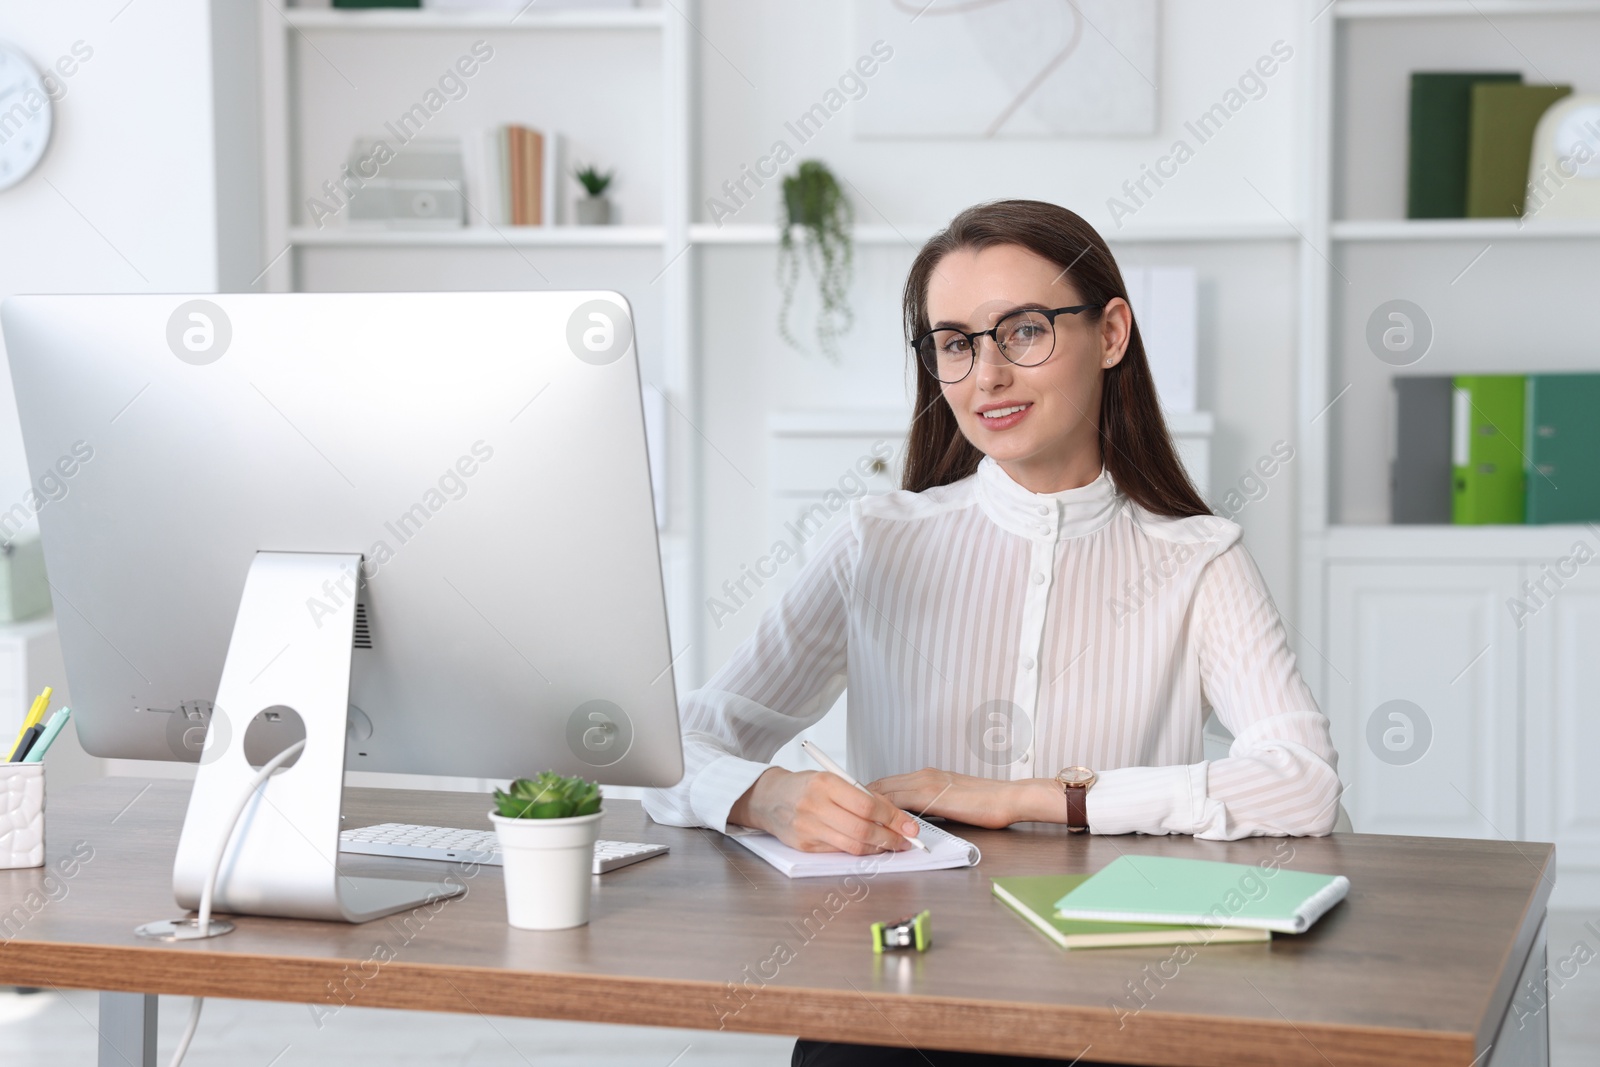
(549, 866)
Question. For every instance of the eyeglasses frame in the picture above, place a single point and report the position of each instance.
(972, 338)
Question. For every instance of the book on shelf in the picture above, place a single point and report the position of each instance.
(1486, 437)
(519, 183)
(520, 5)
(1500, 145)
(1440, 124)
(1563, 448)
(1420, 470)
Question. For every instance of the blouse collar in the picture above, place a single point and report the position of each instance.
(1050, 516)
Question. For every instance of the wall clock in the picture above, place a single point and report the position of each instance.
(25, 116)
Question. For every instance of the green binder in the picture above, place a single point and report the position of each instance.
(1441, 119)
(1501, 143)
(1486, 436)
(1563, 448)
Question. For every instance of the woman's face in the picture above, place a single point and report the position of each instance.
(1049, 441)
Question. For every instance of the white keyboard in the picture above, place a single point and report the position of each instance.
(448, 844)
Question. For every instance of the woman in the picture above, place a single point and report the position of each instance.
(1047, 591)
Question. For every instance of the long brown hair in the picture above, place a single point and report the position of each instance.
(1134, 443)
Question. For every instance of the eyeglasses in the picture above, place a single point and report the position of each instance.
(1025, 338)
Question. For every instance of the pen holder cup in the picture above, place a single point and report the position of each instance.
(21, 815)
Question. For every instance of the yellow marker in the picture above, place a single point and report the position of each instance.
(40, 703)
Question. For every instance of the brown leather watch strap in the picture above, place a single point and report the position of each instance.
(1077, 808)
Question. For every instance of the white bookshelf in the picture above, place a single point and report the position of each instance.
(530, 19)
(481, 237)
(1354, 169)
(1424, 613)
(1464, 229)
(870, 235)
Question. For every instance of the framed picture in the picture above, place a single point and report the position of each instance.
(1009, 68)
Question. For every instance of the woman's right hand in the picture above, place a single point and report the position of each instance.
(815, 811)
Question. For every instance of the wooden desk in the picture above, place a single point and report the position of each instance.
(1419, 966)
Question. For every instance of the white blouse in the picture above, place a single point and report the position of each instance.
(989, 630)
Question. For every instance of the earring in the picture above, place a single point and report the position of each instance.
(1108, 362)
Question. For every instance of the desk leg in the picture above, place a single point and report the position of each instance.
(1524, 1037)
(127, 1030)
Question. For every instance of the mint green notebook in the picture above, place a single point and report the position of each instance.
(1032, 897)
(1166, 889)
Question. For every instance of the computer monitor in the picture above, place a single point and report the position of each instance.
(454, 485)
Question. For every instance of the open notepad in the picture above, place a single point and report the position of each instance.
(944, 850)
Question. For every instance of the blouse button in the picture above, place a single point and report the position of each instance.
(1027, 663)
(1024, 758)
(1038, 578)
(1044, 509)
(1044, 527)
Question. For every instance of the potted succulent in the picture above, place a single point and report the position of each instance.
(814, 203)
(547, 828)
(593, 209)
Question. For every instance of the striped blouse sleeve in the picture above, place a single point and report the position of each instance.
(780, 680)
(1279, 776)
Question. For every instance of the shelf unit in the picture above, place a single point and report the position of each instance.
(1385, 611)
(429, 20)
(481, 236)
(1464, 229)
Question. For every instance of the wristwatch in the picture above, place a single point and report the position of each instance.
(1075, 783)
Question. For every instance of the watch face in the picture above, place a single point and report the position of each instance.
(1075, 776)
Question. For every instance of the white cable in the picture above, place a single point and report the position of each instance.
(203, 921)
(188, 1031)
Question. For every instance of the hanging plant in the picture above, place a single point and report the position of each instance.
(813, 201)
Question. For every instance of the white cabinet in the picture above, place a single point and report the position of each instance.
(1422, 680)
(1563, 727)
(1496, 661)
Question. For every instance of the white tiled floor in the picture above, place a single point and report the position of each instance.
(58, 1030)
(51, 1030)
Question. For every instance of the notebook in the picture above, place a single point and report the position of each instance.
(1167, 889)
(944, 850)
(1033, 897)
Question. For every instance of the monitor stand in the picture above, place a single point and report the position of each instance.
(291, 648)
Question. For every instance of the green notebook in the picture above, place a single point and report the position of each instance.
(1034, 896)
(1500, 145)
(1563, 448)
(1155, 889)
(1486, 432)
(1441, 120)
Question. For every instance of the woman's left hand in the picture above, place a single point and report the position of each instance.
(976, 801)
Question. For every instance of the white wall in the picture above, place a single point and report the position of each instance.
(126, 198)
(762, 63)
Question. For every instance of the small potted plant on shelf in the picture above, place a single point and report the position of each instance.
(593, 209)
(547, 828)
(814, 203)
